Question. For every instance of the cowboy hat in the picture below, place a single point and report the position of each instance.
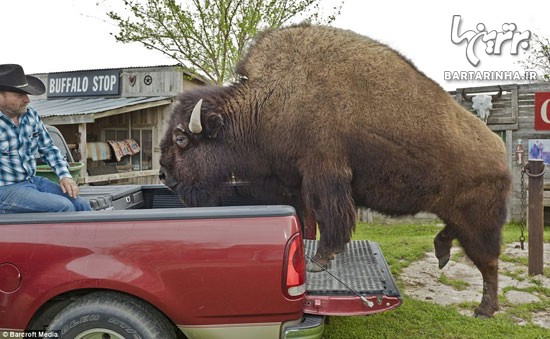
(13, 79)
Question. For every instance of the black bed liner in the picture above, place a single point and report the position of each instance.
(357, 281)
(113, 197)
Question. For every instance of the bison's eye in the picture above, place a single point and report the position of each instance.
(181, 140)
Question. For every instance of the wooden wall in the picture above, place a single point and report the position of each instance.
(513, 118)
(156, 81)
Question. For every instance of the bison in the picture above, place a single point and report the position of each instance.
(326, 120)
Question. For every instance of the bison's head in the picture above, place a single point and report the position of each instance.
(195, 160)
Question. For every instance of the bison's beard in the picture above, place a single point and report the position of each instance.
(196, 195)
(225, 194)
(230, 193)
(190, 195)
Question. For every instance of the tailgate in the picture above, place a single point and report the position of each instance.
(357, 282)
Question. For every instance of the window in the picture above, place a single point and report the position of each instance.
(144, 159)
(116, 134)
(144, 137)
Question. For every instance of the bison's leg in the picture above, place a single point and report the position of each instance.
(443, 243)
(483, 248)
(489, 301)
(480, 235)
(324, 254)
(477, 216)
(328, 194)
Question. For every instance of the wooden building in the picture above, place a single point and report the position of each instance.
(520, 118)
(113, 119)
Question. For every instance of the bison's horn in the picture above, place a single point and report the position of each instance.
(195, 121)
(498, 95)
(467, 98)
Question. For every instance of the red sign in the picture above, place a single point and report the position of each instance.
(542, 111)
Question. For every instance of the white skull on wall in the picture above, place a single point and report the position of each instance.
(482, 104)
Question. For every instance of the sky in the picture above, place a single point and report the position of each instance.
(65, 35)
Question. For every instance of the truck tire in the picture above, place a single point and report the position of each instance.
(111, 315)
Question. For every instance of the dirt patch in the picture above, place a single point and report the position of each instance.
(460, 281)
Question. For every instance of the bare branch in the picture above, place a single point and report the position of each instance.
(538, 57)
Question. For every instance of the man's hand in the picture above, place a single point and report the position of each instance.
(69, 187)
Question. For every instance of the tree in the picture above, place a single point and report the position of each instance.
(206, 37)
(538, 57)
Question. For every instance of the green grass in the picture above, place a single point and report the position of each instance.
(459, 285)
(418, 319)
(403, 244)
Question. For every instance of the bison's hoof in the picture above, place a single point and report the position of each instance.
(314, 267)
(484, 311)
(339, 250)
(319, 262)
(443, 261)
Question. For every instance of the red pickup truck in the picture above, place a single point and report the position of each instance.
(164, 272)
(143, 266)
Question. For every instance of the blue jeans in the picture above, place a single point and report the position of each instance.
(38, 195)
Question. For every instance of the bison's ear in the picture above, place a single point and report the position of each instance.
(214, 124)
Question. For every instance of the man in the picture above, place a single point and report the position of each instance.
(22, 135)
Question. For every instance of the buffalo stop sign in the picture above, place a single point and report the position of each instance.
(542, 111)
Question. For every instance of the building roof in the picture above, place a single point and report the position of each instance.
(86, 110)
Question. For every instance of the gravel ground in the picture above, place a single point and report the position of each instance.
(421, 282)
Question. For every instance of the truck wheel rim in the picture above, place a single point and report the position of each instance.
(99, 333)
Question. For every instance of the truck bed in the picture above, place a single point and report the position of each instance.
(358, 281)
(201, 267)
(114, 197)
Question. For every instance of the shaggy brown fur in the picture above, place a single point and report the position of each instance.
(327, 119)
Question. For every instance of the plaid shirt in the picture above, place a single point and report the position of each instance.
(20, 144)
